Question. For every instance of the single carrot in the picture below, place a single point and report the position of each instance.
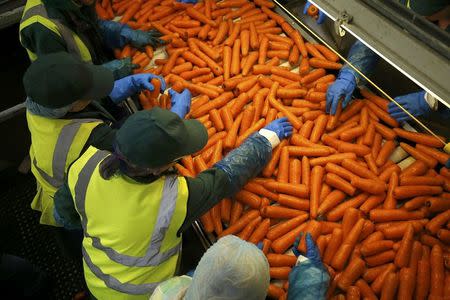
(339, 183)
(285, 227)
(317, 175)
(390, 285)
(404, 252)
(333, 245)
(236, 211)
(279, 272)
(313, 75)
(420, 138)
(352, 291)
(298, 190)
(225, 209)
(417, 154)
(274, 291)
(245, 42)
(417, 168)
(385, 151)
(382, 114)
(437, 276)
(387, 215)
(365, 290)
(321, 63)
(241, 223)
(330, 201)
(371, 186)
(338, 212)
(197, 15)
(423, 279)
(351, 273)
(349, 242)
(434, 153)
(191, 57)
(283, 166)
(221, 33)
(304, 66)
(380, 258)
(295, 171)
(438, 221)
(403, 192)
(296, 123)
(249, 228)
(282, 243)
(360, 150)
(281, 260)
(328, 53)
(279, 212)
(235, 61)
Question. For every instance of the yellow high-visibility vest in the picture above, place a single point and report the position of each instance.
(130, 229)
(35, 12)
(55, 144)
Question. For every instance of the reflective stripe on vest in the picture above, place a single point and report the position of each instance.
(66, 34)
(152, 257)
(65, 139)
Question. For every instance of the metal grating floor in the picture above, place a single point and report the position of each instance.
(22, 235)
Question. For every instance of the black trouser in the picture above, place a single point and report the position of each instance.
(20, 279)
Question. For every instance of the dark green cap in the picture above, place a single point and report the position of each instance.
(428, 7)
(156, 137)
(59, 79)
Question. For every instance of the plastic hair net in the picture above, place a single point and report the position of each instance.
(246, 161)
(231, 269)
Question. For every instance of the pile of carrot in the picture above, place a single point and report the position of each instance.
(383, 231)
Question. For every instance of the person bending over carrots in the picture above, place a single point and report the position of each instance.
(133, 209)
(66, 114)
(231, 269)
(418, 103)
(72, 26)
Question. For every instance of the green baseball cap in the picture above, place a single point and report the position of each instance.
(59, 79)
(428, 7)
(156, 137)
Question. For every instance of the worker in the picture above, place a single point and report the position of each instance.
(133, 209)
(50, 26)
(63, 119)
(364, 59)
(308, 279)
(231, 269)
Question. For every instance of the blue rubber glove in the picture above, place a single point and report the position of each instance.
(321, 18)
(188, 1)
(131, 85)
(295, 245)
(342, 88)
(121, 67)
(181, 102)
(140, 39)
(414, 103)
(282, 127)
(309, 279)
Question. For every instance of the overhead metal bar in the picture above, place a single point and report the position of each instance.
(403, 42)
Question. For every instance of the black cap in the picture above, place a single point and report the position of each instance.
(156, 137)
(59, 79)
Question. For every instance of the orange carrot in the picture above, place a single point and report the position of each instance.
(420, 138)
(352, 272)
(241, 223)
(197, 15)
(423, 278)
(317, 174)
(295, 171)
(321, 63)
(285, 227)
(231, 137)
(437, 277)
(281, 260)
(279, 212)
(404, 252)
(417, 154)
(403, 192)
(339, 183)
(383, 115)
(365, 290)
(349, 242)
(236, 211)
(370, 186)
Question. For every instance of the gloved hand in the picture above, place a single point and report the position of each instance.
(309, 279)
(282, 127)
(414, 103)
(121, 67)
(343, 87)
(130, 85)
(140, 39)
(188, 1)
(181, 102)
(321, 18)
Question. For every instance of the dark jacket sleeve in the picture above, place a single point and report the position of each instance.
(102, 137)
(64, 211)
(41, 40)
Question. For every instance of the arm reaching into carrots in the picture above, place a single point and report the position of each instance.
(230, 174)
(308, 279)
(364, 60)
(133, 84)
(117, 35)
